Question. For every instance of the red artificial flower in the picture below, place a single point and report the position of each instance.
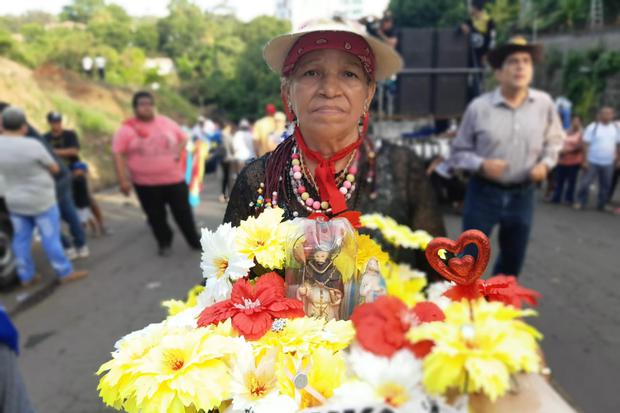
(253, 307)
(503, 288)
(381, 326)
(506, 289)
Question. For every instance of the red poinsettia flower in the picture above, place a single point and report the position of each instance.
(253, 308)
(506, 289)
(503, 288)
(381, 326)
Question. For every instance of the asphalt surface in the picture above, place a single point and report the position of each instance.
(573, 260)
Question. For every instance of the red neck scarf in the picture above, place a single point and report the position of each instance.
(325, 171)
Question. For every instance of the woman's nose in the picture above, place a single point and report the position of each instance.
(330, 85)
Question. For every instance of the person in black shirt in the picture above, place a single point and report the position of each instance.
(480, 28)
(67, 146)
(64, 141)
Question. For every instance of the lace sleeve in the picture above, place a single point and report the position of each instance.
(244, 192)
(425, 212)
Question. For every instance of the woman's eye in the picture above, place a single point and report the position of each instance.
(311, 73)
(350, 74)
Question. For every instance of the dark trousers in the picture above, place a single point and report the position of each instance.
(487, 205)
(69, 214)
(566, 177)
(154, 200)
(225, 177)
(604, 173)
(614, 183)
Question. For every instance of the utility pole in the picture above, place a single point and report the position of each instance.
(597, 17)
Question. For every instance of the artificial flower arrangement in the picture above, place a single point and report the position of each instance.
(252, 340)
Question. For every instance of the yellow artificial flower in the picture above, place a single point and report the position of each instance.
(405, 283)
(367, 248)
(264, 239)
(396, 234)
(303, 335)
(166, 369)
(176, 306)
(479, 355)
(324, 370)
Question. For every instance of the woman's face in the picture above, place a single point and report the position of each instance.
(329, 92)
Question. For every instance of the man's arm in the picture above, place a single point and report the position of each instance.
(72, 146)
(463, 154)
(553, 140)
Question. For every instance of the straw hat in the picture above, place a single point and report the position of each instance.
(497, 56)
(388, 61)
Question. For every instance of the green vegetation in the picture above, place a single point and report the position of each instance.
(218, 58)
(546, 15)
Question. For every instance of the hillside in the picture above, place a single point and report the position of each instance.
(92, 108)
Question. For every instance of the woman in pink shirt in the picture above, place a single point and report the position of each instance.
(147, 151)
(571, 158)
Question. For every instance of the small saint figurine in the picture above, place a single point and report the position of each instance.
(321, 289)
(373, 284)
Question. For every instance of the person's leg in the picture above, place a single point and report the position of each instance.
(23, 227)
(614, 183)
(177, 196)
(13, 395)
(69, 214)
(154, 206)
(514, 232)
(225, 177)
(571, 179)
(587, 177)
(561, 175)
(48, 224)
(94, 206)
(481, 210)
(605, 176)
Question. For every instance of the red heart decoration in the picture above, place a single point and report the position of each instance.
(465, 270)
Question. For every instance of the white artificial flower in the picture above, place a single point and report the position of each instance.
(395, 381)
(222, 263)
(253, 386)
(435, 293)
(187, 318)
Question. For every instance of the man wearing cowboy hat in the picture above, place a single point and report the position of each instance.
(509, 139)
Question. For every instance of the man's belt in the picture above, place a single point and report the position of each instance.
(508, 186)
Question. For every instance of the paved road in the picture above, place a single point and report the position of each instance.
(573, 261)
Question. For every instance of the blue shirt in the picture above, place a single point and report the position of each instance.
(8, 332)
(602, 141)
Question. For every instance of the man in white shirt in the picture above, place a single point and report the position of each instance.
(87, 65)
(602, 144)
(100, 63)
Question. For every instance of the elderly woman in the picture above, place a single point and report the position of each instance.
(326, 164)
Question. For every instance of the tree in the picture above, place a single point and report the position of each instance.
(81, 11)
(111, 25)
(428, 13)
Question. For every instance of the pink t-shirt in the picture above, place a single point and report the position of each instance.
(152, 150)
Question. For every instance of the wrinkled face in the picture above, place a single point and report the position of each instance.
(329, 92)
(321, 257)
(145, 108)
(517, 71)
(606, 115)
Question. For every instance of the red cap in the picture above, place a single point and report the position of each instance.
(270, 109)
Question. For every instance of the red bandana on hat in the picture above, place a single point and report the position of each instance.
(347, 42)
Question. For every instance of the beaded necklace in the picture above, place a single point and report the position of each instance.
(299, 169)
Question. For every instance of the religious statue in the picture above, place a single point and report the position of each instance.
(373, 284)
(321, 288)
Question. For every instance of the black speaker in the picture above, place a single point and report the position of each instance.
(414, 95)
(432, 93)
(416, 47)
